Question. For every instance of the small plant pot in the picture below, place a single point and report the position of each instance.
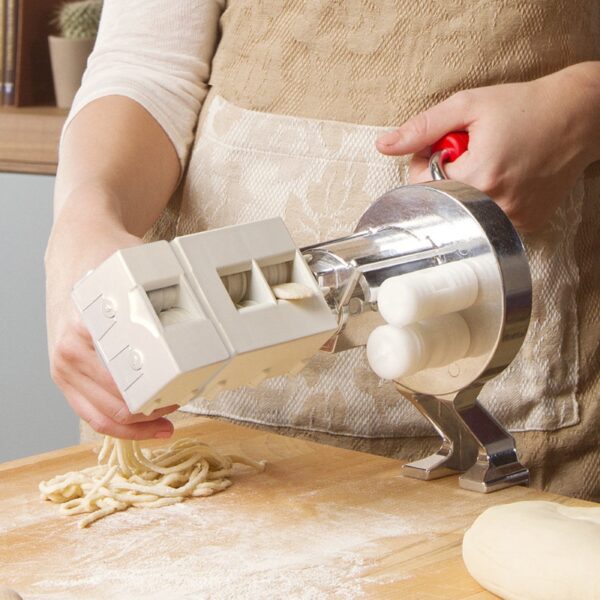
(69, 59)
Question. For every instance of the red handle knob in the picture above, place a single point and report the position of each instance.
(455, 144)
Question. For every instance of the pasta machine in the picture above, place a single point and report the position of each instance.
(434, 281)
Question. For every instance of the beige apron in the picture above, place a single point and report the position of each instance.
(300, 90)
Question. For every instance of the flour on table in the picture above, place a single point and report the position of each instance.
(134, 554)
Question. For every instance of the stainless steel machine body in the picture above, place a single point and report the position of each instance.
(418, 227)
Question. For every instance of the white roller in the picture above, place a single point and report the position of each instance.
(164, 298)
(428, 293)
(236, 286)
(395, 352)
(174, 315)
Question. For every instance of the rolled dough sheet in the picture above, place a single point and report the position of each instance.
(291, 291)
(536, 551)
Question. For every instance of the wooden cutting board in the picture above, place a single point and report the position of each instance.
(320, 522)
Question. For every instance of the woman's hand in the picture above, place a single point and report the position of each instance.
(83, 236)
(116, 173)
(528, 142)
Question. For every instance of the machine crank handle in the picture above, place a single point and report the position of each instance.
(447, 149)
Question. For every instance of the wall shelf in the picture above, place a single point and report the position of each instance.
(29, 139)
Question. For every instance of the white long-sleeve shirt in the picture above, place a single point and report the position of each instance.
(159, 54)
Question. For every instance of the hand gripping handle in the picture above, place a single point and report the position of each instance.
(447, 149)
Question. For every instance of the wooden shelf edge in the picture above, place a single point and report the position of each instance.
(29, 139)
(43, 111)
(27, 168)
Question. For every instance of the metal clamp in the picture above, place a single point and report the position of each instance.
(473, 443)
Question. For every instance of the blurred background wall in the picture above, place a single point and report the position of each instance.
(34, 417)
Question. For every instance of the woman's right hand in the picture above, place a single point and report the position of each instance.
(78, 244)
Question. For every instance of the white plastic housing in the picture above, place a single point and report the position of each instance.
(395, 352)
(266, 336)
(147, 357)
(175, 320)
(427, 293)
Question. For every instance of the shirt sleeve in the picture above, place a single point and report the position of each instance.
(158, 53)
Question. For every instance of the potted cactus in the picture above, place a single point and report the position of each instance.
(77, 24)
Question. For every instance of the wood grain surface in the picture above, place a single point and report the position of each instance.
(29, 139)
(320, 522)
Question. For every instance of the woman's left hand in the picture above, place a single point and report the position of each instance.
(528, 142)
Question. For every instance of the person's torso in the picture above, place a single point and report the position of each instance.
(378, 63)
(300, 90)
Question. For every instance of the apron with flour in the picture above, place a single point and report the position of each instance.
(300, 90)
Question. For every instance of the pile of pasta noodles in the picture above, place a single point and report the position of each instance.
(127, 475)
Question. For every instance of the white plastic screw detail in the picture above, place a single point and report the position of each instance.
(135, 360)
(108, 310)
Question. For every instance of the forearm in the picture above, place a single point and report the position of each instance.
(126, 141)
(117, 167)
(579, 88)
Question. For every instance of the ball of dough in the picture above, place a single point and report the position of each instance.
(536, 551)
(8, 594)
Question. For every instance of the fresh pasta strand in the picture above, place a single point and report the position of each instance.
(127, 475)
